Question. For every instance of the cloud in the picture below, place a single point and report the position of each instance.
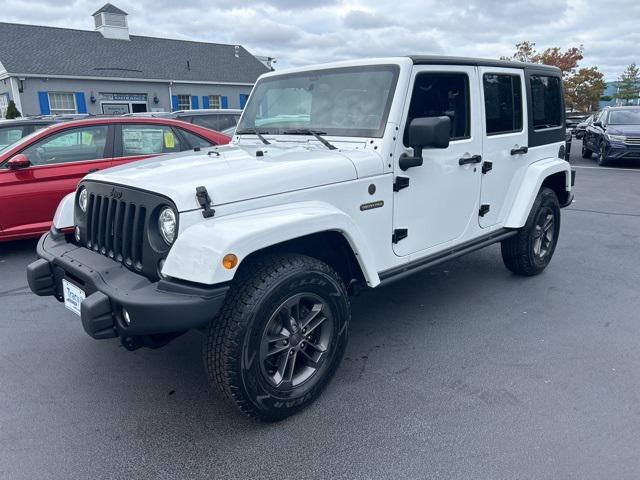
(302, 32)
(362, 20)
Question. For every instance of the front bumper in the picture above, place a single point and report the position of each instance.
(622, 151)
(154, 307)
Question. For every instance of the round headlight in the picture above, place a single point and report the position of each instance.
(82, 199)
(167, 224)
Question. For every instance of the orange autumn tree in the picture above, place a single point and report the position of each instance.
(583, 86)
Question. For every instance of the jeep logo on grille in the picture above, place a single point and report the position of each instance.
(117, 194)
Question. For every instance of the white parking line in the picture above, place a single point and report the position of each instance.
(608, 168)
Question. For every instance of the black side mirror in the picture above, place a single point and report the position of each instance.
(597, 124)
(426, 132)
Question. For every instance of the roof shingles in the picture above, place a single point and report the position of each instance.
(30, 49)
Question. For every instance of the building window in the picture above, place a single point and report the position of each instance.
(502, 103)
(4, 104)
(214, 101)
(184, 102)
(62, 103)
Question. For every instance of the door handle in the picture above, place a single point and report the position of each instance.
(468, 160)
(518, 151)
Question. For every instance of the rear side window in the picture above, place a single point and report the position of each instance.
(440, 94)
(194, 140)
(148, 140)
(546, 101)
(502, 103)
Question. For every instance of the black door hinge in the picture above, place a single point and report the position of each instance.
(400, 183)
(484, 209)
(205, 202)
(487, 167)
(399, 234)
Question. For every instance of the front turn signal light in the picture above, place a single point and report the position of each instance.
(229, 261)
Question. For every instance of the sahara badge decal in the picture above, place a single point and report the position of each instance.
(371, 205)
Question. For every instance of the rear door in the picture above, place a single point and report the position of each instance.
(30, 196)
(137, 141)
(504, 155)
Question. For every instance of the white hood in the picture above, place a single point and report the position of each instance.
(233, 173)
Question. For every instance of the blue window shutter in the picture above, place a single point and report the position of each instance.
(43, 98)
(194, 102)
(81, 105)
(174, 103)
(243, 99)
(205, 101)
(224, 102)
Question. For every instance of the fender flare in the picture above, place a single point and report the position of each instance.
(63, 218)
(532, 182)
(197, 253)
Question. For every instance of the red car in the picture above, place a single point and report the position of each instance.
(40, 169)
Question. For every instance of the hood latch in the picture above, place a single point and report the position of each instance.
(205, 202)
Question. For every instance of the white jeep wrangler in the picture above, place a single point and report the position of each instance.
(340, 177)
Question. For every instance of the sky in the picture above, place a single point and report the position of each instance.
(304, 32)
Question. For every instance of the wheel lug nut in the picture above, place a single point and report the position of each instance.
(290, 352)
(304, 330)
(301, 344)
(285, 342)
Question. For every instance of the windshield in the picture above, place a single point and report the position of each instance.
(22, 140)
(624, 117)
(350, 102)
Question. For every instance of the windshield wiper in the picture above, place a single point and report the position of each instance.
(315, 133)
(256, 133)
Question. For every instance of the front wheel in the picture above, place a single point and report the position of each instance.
(602, 155)
(280, 335)
(586, 153)
(530, 251)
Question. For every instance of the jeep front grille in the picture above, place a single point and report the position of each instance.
(122, 223)
(116, 229)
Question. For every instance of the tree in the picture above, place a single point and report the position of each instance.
(525, 52)
(584, 89)
(629, 86)
(12, 111)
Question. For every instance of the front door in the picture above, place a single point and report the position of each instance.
(441, 200)
(505, 148)
(30, 196)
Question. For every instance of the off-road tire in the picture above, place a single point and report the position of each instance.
(231, 352)
(586, 153)
(518, 252)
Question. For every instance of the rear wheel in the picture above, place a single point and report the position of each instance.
(280, 336)
(529, 252)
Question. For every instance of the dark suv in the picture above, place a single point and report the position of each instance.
(613, 135)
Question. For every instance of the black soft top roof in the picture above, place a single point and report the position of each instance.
(481, 62)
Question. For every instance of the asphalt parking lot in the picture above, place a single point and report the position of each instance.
(464, 371)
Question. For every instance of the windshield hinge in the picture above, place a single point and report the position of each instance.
(205, 202)
(400, 183)
(484, 209)
(399, 234)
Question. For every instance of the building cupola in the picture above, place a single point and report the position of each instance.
(111, 22)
